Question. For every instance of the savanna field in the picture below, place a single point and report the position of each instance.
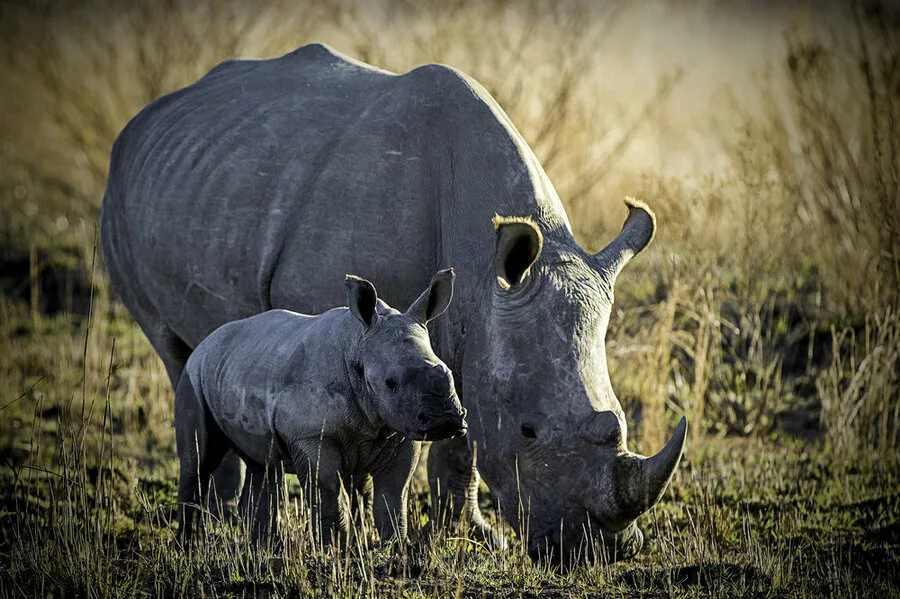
(766, 309)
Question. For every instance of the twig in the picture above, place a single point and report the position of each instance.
(24, 393)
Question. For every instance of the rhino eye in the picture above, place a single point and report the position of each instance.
(528, 431)
(391, 384)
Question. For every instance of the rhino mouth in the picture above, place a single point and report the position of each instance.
(436, 429)
(447, 430)
(606, 547)
(441, 425)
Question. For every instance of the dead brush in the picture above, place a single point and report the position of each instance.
(833, 153)
(860, 389)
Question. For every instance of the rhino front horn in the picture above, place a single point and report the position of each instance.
(647, 477)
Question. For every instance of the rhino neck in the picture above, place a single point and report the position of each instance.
(347, 335)
(478, 146)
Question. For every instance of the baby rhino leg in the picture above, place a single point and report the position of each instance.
(391, 489)
(260, 499)
(201, 446)
(319, 474)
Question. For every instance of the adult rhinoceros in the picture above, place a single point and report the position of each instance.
(260, 184)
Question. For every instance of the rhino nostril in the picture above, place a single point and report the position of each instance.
(423, 419)
(528, 431)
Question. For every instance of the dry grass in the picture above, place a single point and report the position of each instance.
(89, 478)
(766, 309)
(859, 389)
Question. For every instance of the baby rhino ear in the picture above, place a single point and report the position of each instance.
(435, 299)
(361, 298)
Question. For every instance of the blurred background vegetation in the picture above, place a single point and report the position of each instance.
(765, 135)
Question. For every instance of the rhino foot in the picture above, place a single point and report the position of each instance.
(489, 535)
(225, 489)
(404, 561)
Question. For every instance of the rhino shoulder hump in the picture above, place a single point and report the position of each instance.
(315, 51)
(441, 86)
(438, 77)
(324, 55)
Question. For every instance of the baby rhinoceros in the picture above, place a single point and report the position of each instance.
(334, 398)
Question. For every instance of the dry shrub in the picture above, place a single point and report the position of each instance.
(829, 146)
(860, 390)
(832, 147)
(698, 351)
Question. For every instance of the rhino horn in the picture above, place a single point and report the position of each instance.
(644, 479)
(636, 233)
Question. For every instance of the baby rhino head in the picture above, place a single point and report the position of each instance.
(410, 388)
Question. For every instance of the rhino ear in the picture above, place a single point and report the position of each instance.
(435, 299)
(361, 298)
(636, 233)
(519, 243)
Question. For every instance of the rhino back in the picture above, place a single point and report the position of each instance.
(249, 369)
(262, 183)
(199, 180)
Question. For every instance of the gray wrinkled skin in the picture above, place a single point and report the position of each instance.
(335, 398)
(249, 189)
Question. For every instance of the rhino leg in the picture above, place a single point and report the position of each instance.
(227, 482)
(259, 502)
(364, 500)
(391, 492)
(174, 352)
(201, 445)
(319, 475)
(453, 480)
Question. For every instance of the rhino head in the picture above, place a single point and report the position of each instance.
(540, 395)
(411, 389)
